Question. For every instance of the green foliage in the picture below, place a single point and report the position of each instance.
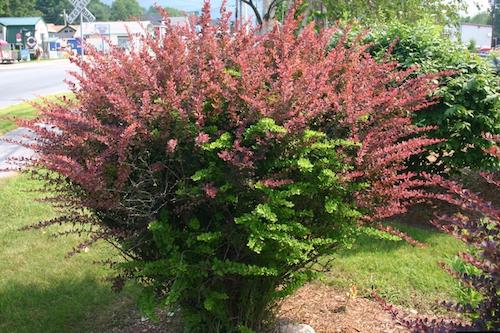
(479, 18)
(472, 46)
(101, 11)
(468, 105)
(125, 10)
(172, 12)
(212, 263)
(19, 8)
(465, 294)
(386, 11)
(50, 10)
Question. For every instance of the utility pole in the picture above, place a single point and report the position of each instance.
(237, 14)
(81, 34)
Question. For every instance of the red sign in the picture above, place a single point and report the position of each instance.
(19, 37)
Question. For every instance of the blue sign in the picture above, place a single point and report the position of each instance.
(25, 54)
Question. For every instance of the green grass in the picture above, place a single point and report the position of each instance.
(21, 111)
(40, 289)
(403, 274)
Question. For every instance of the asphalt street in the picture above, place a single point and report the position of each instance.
(20, 82)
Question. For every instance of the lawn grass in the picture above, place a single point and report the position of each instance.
(41, 290)
(403, 274)
(21, 111)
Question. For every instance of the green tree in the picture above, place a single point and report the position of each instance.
(123, 10)
(101, 11)
(53, 10)
(173, 12)
(372, 11)
(18, 8)
(405, 11)
(479, 18)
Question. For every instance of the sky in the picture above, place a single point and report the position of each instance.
(473, 6)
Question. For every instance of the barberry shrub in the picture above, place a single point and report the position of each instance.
(224, 164)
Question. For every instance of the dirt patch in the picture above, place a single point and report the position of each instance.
(328, 310)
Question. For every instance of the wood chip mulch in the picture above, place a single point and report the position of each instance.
(328, 310)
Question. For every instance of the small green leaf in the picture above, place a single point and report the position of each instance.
(305, 165)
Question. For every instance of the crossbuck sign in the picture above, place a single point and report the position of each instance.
(80, 9)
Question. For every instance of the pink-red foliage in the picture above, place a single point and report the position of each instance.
(130, 102)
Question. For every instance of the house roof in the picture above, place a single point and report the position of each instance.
(72, 26)
(9, 21)
(114, 28)
(175, 21)
(59, 27)
(51, 27)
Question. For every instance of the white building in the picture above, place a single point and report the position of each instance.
(479, 33)
(101, 34)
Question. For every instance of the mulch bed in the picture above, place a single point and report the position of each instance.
(329, 310)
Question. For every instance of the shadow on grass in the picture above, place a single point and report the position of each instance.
(426, 234)
(65, 305)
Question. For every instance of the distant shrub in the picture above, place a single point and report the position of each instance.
(469, 106)
(223, 165)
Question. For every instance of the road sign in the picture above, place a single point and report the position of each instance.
(80, 8)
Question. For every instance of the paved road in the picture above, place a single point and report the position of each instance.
(25, 81)
(19, 82)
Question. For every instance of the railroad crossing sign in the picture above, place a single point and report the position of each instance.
(80, 9)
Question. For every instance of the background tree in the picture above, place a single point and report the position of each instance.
(52, 10)
(479, 18)
(18, 8)
(123, 10)
(101, 11)
(406, 11)
(172, 12)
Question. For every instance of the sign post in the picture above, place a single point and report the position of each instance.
(82, 11)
